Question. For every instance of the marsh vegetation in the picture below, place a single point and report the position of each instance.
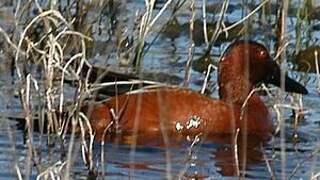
(58, 56)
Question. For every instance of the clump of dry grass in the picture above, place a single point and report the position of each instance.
(56, 41)
(47, 41)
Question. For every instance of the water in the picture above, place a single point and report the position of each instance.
(152, 159)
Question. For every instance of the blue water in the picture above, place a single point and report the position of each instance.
(206, 159)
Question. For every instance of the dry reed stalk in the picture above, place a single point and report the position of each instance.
(244, 130)
(70, 154)
(282, 42)
(135, 135)
(278, 108)
(269, 167)
(49, 72)
(147, 22)
(50, 50)
(175, 10)
(191, 47)
(87, 151)
(97, 86)
(299, 113)
(317, 70)
(236, 156)
(206, 79)
(8, 40)
(219, 23)
(163, 119)
(204, 17)
(246, 17)
(52, 172)
(217, 29)
(102, 155)
(29, 124)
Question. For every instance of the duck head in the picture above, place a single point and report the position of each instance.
(245, 64)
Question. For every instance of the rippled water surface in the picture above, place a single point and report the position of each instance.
(211, 157)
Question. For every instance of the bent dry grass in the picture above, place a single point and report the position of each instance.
(57, 40)
(52, 54)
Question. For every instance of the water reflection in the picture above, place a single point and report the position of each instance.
(197, 154)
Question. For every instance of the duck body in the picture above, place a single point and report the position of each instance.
(243, 65)
(181, 111)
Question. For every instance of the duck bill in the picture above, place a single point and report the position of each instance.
(290, 85)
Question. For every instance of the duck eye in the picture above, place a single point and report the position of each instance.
(263, 54)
